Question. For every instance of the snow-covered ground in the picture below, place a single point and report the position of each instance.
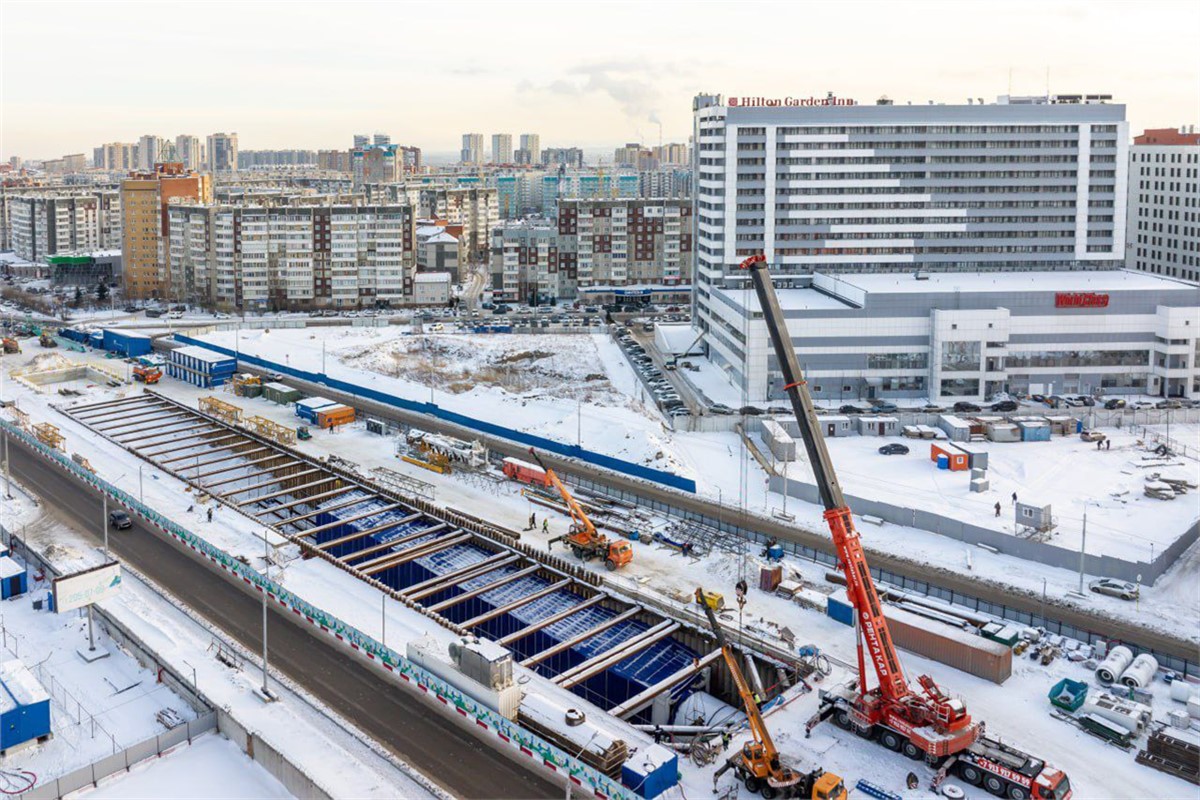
(212, 768)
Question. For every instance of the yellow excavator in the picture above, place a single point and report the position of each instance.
(583, 539)
(757, 763)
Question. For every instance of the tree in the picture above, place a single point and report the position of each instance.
(101, 292)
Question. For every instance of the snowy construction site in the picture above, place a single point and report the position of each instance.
(502, 541)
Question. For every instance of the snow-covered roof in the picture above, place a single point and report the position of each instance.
(789, 299)
(9, 568)
(441, 238)
(201, 354)
(21, 683)
(1045, 281)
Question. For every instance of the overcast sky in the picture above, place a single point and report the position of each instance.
(311, 74)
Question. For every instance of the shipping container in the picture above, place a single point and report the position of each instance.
(307, 409)
(96, 340)
(777, 440)
(958, 461)
(770, 577)
(71, 334)
(957, 429)
(951, 646)
(330, 417)
(524, 472)
(126, 343)
(280, 393)
(1003, 432)
(1033, 429)
(24, 707)
(200, 366)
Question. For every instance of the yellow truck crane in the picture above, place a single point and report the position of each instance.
(584, 540)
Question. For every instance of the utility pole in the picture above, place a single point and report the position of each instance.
(1082, 551)
(383, 619)
(141, 486)
(7, 470)
(104, 526)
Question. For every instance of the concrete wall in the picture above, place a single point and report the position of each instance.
(291, 776)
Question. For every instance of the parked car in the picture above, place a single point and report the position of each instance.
(1038, 398)
(850, 409)
(1113, 403)
(1169, 403)
(894, 449)
(173, 315)
(962, 406)
(131, 309)
(931, 408)
(752, 411)
(1115, 588)
(1142, 405)
(884, 407)
(779, 409)
(1005, 405)
(119, 520)
(720, 408)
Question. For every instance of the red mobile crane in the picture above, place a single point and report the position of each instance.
(924, 723)
(583, 539)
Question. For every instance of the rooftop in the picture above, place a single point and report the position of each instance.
(1045, 281)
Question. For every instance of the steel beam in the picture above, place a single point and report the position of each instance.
(515, 604)
(348, 504)
(265, 484)
(290, 490)
(642, 699)
(538, 658)
(85, 413)
(168, 431)
(202, 441)
(105, 403)
(242, 465)
(247, 476)
(143, 406)
(487, 587)
(550, 620)
(437, 583)
(202, 463)
(610, 658)
(309, 499)
(395, 560)
(375, 548)
(375, 512)
(350, 537)
(166, 413)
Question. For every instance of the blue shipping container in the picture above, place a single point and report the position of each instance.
(96, 340)
(13, 580)
(652, 772)
(24, 706)
(842, 612)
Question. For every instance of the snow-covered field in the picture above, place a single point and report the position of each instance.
(212, 768)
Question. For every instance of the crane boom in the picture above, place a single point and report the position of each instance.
(582, 523)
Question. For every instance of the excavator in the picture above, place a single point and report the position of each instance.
(758, 764)
(583, 539)
(923, 722)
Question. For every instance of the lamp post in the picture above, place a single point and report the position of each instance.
(266, 576)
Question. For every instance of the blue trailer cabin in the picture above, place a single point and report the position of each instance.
(13, 579)
(96, 340)
(307, 409)
(126, 343)
(200, 366)
(24, 707)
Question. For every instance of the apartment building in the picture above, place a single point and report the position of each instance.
(296, 254)
(1163, 233)
(45, 224)
(116, 156)
(145, 199)
(472, 148)
(222, 151)
(189, 151)
(475, 208)
(502, 148)
(148, 149)
(586, 184)
(593, 243)
(530, 151)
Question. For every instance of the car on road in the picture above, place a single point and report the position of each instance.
(131, 309)
(175, 315)
(894, 449)
(1113, 403)
(221, 315)
(720, 408)
(884, 407)
(119, 520)
(752, 411)
(962, 406)
(1115, 588)
(850, 409)
(1005, 405)
(931, 408)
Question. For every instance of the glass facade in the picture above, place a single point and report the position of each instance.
(962, 387)
(960, 357)
(1078, 358)
(898, 361)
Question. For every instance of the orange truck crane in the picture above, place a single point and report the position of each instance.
(924, 723)
(147, 375)
(583, 539)
(758, 764)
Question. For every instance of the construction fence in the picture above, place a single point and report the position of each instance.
(467, 711)
(489, 428)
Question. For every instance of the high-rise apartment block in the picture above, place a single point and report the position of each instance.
(475, 208)
(145, 198)
(472, 148)
(568, 157)
(381, 140)
(189, 151)
(293, 254)
(334, 160)
(148, 148)
(502, 148)
(361, 140)
(1163, 232)
(530, 152)
(223, 152)
(54, 222)
(593, 243)
(117, 156)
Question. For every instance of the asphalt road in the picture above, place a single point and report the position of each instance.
(457, 761)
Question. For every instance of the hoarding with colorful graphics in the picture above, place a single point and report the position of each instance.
(86, 587)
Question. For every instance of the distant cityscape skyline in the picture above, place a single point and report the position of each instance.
(616, 82)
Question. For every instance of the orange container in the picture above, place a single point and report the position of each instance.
(333, 416)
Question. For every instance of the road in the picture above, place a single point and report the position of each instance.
(404, 724)
(474, 285)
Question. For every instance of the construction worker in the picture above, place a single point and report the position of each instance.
(210, 514)
(726, 737)
(545, 525)
(532, 521)
(997, 508)
(1099, 443)
(1014, 498)
(1108, 444)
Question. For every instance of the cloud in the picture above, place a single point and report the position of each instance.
(623, 82)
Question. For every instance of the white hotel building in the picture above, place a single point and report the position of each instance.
(880, 192)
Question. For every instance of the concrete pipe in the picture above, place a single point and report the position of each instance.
(1114, 664)
(1141, 672)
